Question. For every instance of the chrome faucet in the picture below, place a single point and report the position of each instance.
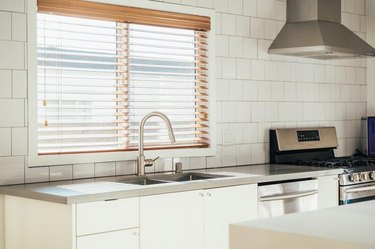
(141, 161)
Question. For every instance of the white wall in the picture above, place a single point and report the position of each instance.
(255, 91)
(370, 12)
(2, 219)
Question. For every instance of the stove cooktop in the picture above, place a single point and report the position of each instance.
(351, 164)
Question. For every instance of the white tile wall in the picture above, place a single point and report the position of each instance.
(254, 90)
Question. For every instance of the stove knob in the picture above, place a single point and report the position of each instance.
(364, 176)
(354, 177)
(372, 175)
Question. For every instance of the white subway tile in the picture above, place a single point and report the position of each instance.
(264, 8)
(221, 5)
(84, 170)
(296, 72)
(290, 91)
(36, 174)
(250, 90)
(363, 24)
(19, 27)
(259, 153)
(244, 154)
(218, 22)
(277, 91)
(264, 91)
(243, 112)
(229, 68)
(235, 46)
(197, 162)
(209, 4)
(340, 75)
(270, 70)
(235, 7)
(5, 142)
(12, 170)
(243, 69)
(105, 169)
(243, 26)
(14, 118)
(61, 172)
(5, 83)
(173, 1)
(215, 161)
(251, 134)
(278, 10)
(5, 25)
(360, 7)
(229, 155)
(12, 55)
(163, 165)
(270, 29)
(228, 113)
(263, 46)
(19, 84)
(257, 70)
(250, 48)
(319, 73)
(228, 24)
(284, 71)
(250, 7)
(355, 93)
(271, 112)
(222, 45)
(189, 2)
(257, 112)
(355, 22)
(19, 141)
(12, 5)
(308, 73)
(257, 28)
(236, 90)
(360, 76)
(263, 132)
(126, 168)
(222, 90)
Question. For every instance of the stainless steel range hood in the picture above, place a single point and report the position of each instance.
(314, 30)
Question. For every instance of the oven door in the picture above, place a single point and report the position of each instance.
(357, 193)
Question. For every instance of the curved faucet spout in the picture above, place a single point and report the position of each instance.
(141, 157)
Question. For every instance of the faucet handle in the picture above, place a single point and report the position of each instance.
(150, 162)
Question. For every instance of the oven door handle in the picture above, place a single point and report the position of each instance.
(288, 196)
(360, 189)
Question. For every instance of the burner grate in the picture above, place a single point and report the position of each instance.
(345, 162)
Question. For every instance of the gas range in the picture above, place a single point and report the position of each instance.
(357, 169)
(315, 147)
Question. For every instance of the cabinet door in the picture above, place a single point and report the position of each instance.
(223, 206)
(328, 187)
(172, 221)
(123, 239)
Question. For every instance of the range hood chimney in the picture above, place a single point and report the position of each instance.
(313, 29)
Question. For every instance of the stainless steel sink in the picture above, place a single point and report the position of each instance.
(181, 177)
(184, 177)
(143, 181)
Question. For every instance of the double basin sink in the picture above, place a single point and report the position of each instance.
(178, 177)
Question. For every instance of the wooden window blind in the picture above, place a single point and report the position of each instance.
(98, 77)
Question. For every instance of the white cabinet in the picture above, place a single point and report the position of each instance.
(32, 224)
(124, 239)
(328, 188)
(223, 206)
(195, 219)
(171, 221)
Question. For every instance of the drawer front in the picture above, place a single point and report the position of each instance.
(128, 239)
(105, 216)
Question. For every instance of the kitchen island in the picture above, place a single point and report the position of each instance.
(344, 227)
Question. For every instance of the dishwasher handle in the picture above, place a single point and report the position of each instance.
(279, 197)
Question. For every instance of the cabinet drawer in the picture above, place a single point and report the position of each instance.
(128, 239)
(104, 216)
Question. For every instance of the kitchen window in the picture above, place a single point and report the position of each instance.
(102, 67)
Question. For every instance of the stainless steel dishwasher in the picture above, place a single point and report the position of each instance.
(284, 197)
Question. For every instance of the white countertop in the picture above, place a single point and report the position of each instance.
(351, 226)
(96, 189)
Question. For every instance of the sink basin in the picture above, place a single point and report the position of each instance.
(184, 177)
(180, 177)
(143, 181)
